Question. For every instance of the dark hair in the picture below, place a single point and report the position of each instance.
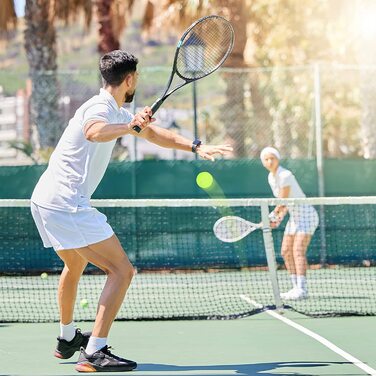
(115, 65)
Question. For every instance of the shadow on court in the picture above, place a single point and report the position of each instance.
(264, 369)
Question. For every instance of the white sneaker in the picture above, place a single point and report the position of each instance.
(285, 295)
(295, 294)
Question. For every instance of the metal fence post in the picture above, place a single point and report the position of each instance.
(319, 158)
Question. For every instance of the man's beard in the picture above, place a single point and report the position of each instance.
(129, 97)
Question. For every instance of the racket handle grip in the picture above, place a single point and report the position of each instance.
(155, 106)
(154, 109)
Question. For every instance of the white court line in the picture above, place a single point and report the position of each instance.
(358, 363)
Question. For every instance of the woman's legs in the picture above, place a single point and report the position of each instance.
(299, 250)
(288, 257)
(287, 253)
(294, 249)
(301, 243)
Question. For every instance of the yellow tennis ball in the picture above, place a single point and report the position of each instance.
(366, 263)
(44, 275)
(204, 180)
(84, 303)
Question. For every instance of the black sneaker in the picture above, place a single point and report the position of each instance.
(65, 349)
(103, 361)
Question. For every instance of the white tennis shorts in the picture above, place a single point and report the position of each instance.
(64, 230)
(302, 221)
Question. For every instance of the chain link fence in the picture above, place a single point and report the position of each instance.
(288, 107)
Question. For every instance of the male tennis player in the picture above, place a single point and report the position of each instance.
(79, 233)
(301, 226)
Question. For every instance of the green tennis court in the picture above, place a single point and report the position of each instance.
(198, 306)
(193, 295)
(257, 345)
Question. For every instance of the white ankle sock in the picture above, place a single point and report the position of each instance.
(294, 280)
(95, 344)
(68, 331)
(302, 282)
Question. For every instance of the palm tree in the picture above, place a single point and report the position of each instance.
(107, 40)
(112, 16)
(40, 46)
(8, 18)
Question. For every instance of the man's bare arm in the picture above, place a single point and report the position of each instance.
(99, 131)
(169, 139)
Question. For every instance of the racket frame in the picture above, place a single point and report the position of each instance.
(155, 106)
(251, 227)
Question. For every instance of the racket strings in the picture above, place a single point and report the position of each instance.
(203, 55)
(231, 228)
(205, 48)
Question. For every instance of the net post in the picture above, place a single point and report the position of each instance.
(270, 255)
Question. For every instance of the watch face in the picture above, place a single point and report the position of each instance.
(195, 144)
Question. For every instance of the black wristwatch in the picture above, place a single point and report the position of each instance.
(196, 143)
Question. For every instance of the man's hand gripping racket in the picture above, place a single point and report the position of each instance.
(202, 49)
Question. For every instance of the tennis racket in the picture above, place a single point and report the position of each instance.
(202, 49)
(230, 229)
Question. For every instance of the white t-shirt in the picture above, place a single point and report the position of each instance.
(77, 165)
(285, 178)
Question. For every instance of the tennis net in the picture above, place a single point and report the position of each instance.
(185, 272)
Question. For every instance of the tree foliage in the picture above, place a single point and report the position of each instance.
(267, 105)
(8, 18)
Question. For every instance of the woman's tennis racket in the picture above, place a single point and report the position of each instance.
(230, 229)
(201, 50)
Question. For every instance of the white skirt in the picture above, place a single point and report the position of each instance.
(303, 221)
(64, 230)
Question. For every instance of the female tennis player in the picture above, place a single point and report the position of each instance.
(301, 226)
(79, 233)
